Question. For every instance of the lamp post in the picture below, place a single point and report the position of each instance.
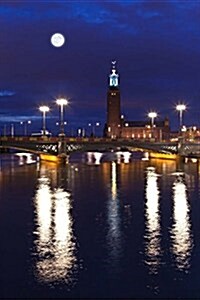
(152, 115)
(58, 123)
(61, 102)
(181, 108)
(44, 109)
(12, 130)
(93, 127)
(97, 124)
(25, 123)
(91, 132)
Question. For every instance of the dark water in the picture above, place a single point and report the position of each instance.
(99, 230)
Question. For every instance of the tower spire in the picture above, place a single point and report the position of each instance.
(113, 77)
(113, 104)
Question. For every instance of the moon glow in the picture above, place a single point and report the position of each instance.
(57, 40)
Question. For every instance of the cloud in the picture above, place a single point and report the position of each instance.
(156, 45)
(5, 93)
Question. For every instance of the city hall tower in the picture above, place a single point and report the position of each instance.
(113, 104)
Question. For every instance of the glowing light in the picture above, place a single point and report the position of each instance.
(94, 158)
(44, 108)
(113, 76)
(146, 156)
(126, 155)
(114, 220)
(90, 157)
(181, 230)
(194, 160)
(152, 114)
(43, 208)
(119, 156)
(62, 101)
(57, 40)
(184, 129)
(114, 180)
(97, 157)
(181, 107)
(152, 221)
(25, 158)
(55, 246)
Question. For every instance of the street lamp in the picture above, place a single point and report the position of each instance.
(90, 125)
(44, 109)
(180, 108)
(93, 127)
(12, 130)
(61, 102)
(25, 123)
(97, 124)
(152, 115)
(64, 123)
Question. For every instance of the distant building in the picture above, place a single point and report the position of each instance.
(141, 130)
(117, 127)
(113, 105)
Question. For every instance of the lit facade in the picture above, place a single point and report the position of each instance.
(116, 127)
(113, 129)
(141, 130)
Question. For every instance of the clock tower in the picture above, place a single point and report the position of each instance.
(113, 104)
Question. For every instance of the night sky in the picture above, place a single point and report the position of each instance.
(156, 45)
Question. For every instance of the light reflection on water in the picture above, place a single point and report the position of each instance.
(159, 229)
(55, 245)
(181, 235)
(114, 221)
(152, 224)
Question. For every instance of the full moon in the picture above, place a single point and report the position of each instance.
(57, 40)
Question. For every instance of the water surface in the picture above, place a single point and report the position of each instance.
(103, 226)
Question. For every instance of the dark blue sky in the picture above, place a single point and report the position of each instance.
(156, 45)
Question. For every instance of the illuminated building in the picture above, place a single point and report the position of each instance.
(113, 105)
(117, 127)
(141, 130)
